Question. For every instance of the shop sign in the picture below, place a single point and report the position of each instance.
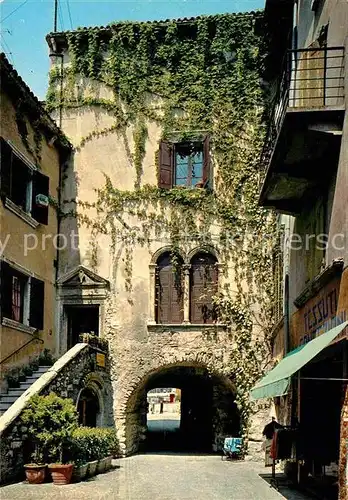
(100, 359)
(319, 314)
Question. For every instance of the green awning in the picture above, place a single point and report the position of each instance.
(277, 381)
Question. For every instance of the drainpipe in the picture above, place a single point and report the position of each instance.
(286, 248)
(57, 54)
(54, 53)
(286, 315)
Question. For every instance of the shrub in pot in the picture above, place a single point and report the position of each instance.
(95, 446)
(51, 421)
(35, 472)
(80, 452)
(84, 448)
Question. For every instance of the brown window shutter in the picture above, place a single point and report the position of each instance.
(169, 296)
(206, 161)
(5, 168)
(37, 297)
(203, 286)
(5, 290)
(177, 304)
(166, 164)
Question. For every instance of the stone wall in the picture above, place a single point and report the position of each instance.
(76, 370)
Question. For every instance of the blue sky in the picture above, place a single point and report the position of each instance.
(25, 23)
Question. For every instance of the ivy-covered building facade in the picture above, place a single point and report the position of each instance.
(164, 254)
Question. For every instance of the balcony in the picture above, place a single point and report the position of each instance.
(303, 139)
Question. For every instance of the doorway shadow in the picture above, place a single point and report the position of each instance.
(286, 488)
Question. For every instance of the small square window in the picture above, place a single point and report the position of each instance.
(184, 164)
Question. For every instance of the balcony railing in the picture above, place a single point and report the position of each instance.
(311, 79)
(316, 77)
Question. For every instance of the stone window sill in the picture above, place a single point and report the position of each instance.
(21, 213)
(185, 326)
(11, 323)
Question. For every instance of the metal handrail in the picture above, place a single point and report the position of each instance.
(20, 348)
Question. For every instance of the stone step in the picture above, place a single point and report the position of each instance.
(42, 369)
(8, 399)
(14, 392)
(32, 378)
(4, 406)
(25, 385)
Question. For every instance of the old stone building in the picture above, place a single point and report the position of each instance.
(164, 255)
(33, 151)
(33, 154)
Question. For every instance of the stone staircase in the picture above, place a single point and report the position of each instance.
(6, 400)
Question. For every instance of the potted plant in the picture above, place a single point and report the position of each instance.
(80, 449)
(36, 472)
(51, 421)
(113, 447)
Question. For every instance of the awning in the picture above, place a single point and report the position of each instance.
(277, 381)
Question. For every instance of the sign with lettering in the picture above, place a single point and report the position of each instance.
(319, 314)
(100, 359)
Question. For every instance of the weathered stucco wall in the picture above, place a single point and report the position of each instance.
(39, 261)
(332, 12)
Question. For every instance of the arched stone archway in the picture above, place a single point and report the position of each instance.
(208, 408)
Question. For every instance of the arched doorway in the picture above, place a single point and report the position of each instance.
(207, 407)
(88, 408)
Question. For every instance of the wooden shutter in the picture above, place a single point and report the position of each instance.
(37, 297)
(204, 280)
(5, 168)
(206, 161)
(40, 186)
(166, 165)
(169, 294)
(5, 290)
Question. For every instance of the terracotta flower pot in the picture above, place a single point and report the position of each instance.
(92, 468)
(61, 473)
(35, 473)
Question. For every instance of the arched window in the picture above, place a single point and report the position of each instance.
(169, 290)
(203, 286)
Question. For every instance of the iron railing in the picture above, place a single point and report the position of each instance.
(310, 79)
(315, 77)
(14, 353)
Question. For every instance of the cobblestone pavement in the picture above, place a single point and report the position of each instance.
(163, 477)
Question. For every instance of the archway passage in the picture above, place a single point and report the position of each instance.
(88, 408)
(163, 417)
(208, 412)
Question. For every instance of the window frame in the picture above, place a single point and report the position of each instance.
(28, 299)
(33, 175)
(187, 280)
(189, 167)
(167, 163)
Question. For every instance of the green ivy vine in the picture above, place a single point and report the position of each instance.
(201, 76)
